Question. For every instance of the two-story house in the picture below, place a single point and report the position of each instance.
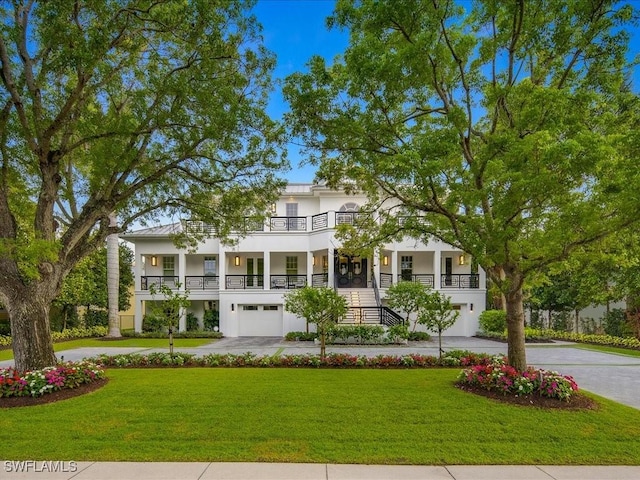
(297, 246)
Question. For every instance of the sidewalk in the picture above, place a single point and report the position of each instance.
(304, 471)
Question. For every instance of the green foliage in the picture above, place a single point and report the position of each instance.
(615, 323)
(323, 307)
(211, 320)
(163, 335)
(478, 123)
(438, 315)
(153, 322)
(93, 318)
(301, 336)
(419, 337)
(623, 342)
(145, 110)
(168, 310)
(192, 322)
(493, 321)
(398, 333)
(408, 297)
(359, 334)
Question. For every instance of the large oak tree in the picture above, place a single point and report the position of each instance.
(505, 128)
(143, 108)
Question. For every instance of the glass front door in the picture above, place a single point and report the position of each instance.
(351, 271)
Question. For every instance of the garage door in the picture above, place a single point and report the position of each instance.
(260, 321)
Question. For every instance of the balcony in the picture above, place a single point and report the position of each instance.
(426, 279)
(288, 224)
(205, 282)
(461, 281)
(244, 282)
(168, 281)
(288, 282)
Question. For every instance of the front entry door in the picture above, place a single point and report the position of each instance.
(351, 271)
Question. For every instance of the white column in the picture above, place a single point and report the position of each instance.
(376, 266)
(394, 267)
(330, 271)
(137, 272)
(437, 269)
(182, 320)
(222, 268)
(310, 268)
(137, 319)
(182, 269)
(267, 269)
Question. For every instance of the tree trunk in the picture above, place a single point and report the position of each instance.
(33, 345)
(113, 280)
(515, 329)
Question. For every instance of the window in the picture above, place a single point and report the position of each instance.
(250, 307)
(292, 209)
(210, 265)
(168, 266)
(270, 308)
(292, 265)
(406, 267)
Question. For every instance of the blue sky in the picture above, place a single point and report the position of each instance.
(295, 30)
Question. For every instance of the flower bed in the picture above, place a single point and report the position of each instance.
(500, 377)
(606, 340)
(50, 379)
(451, 359)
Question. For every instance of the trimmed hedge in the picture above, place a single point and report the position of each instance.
(68, 334)
(248, 359)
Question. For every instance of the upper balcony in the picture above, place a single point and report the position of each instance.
(310, 223)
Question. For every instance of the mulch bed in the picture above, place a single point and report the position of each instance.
(10, 402)
(576, 402)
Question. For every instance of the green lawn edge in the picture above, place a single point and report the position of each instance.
(411, 416)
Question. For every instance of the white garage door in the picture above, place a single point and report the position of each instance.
(260, 321)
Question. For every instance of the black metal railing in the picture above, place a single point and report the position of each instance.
(288, 224)
(426, 279)
(319, 280)
(148, 280)
(320, 221)
(376, 292)
(288, 282)
(203, 282)
(196, 226)
(389, 317)
(372, 315)
(386, 280)
(244, 282)
(460, 281)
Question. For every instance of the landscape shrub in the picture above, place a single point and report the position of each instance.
(211, 320)
(356, 333)
(493, 321)
(193, 334)
(500, 377)
(333, 360)
(154, 323)
(192, 322)
(301, 336)
(50, 379)
(615, 323)
(606, 340)
(561, 321)
(397, 333)
(96, 318)
(419, 337)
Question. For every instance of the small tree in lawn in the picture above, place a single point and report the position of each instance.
(322, 306)
(408, 297)
(170, 308)
(438, 316)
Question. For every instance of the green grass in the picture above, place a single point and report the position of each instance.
(304, 415)
(603, 348)
(125, 342)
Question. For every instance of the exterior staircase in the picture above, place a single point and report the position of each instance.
(359, 297)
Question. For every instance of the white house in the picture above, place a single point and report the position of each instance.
(245, 283)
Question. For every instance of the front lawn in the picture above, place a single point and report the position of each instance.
(124, 342)
(408, 416)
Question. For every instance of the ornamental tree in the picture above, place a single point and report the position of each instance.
(127, 106)
(508, 130)
(408, 297)
(438, 315)
(323, 307)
